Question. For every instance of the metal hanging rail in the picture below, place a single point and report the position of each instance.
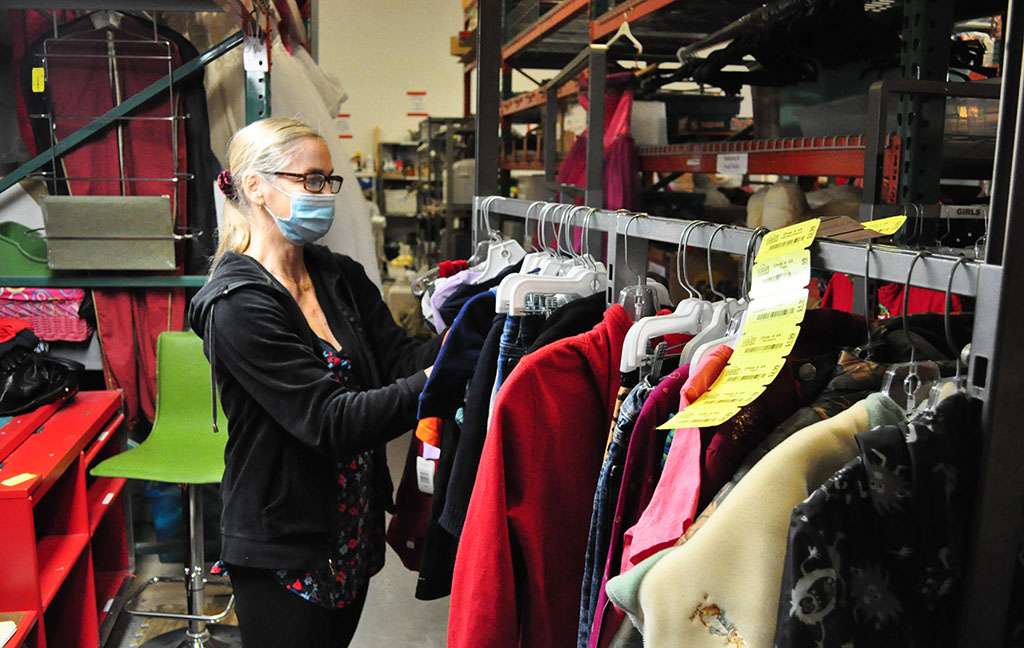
(887, 263)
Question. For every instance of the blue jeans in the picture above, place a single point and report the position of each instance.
(605, 498)
(518, 335)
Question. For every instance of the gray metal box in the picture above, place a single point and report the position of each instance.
(109, 232)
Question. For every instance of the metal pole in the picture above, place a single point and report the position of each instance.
(550, 141)
(1013, 36)
(594, 196)
(995, 372)
(488, 73)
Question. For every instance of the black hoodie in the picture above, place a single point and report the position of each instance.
(289, 421)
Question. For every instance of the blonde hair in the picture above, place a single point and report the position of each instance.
(262, 147)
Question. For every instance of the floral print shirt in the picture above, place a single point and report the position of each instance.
(357, 547)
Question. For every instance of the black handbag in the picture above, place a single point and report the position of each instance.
(29, 379)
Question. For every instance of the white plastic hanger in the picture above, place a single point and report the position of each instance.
(585, 278)
(546, 263)
(640, 300)
(501, 254)
(624, 30)
(735, 311)
(690, 316)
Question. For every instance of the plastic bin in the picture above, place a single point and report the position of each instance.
(165, 502)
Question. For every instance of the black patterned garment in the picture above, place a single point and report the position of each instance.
(358, 544)
(875, 554)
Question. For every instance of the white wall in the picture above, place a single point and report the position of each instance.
(382, 49)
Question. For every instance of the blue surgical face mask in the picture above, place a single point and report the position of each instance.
(311, 216)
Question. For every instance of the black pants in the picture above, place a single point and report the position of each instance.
(269, 616)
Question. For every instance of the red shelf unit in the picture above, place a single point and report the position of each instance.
(840, 155)
(63, 552)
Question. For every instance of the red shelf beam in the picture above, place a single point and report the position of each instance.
(553, 20)
(520, 165)
(827, 156)
(536, 97)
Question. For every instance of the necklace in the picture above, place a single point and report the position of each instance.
(305, 284)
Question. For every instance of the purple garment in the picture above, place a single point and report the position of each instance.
(443, 292)
(639, 478)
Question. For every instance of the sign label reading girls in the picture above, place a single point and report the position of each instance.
(778, 290)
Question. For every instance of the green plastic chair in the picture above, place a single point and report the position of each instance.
(183, 449)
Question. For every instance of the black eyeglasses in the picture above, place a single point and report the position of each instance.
(315, 181)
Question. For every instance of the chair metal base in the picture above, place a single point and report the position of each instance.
(129, 605)
(214, 636)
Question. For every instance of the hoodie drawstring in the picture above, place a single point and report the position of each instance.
(213, 364)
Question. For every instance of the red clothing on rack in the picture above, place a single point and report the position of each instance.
(519, 568)
(839, 296)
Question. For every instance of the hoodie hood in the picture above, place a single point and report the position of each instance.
(234, 271)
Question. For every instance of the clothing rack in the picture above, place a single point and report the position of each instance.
(992, 368)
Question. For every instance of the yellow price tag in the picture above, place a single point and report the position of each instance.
(700, 416)
(776, 312)
(779, 274)
(759, 369)
(38, 79)
(774, 343)
(788, 239)
(750, 374)
(886, 226)
(730, 393)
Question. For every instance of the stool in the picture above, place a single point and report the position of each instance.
(182, 449)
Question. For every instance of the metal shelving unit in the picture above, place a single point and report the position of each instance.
(996, 281)
(443, 142)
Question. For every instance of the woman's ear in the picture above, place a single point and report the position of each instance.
(251, 185)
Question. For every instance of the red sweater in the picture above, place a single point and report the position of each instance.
(521, 555)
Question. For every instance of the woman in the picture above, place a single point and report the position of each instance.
(315, 377)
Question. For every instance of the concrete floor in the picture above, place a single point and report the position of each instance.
(393, 617)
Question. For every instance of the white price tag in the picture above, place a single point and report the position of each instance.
(431, 452)
(254, 55)
(732, 163)
(425, 475)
